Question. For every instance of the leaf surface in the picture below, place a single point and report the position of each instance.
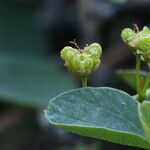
(144, 115)
(102, 113)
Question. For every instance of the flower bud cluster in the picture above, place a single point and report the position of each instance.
(138, 41)
(82, 62)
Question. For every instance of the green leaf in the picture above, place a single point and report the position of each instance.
(102, 113)
(31, 81)
(144, 115)
(129, 77)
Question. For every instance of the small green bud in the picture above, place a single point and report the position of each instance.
(146, 30)
(144, 44)
(127, 35)
(67, 53)
(82, 62)
(95, 50)
(139, 41)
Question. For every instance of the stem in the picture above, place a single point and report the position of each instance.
(147, 95)
(146, 85)
(138, 64)
(84, 81)
(136, 28)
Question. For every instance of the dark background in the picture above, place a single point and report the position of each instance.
(32, 33)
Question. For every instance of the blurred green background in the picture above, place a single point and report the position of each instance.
(32, 33)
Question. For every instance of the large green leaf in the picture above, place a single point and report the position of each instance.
(102, 113)
(144, 115)
(31, 81)
(129, 77)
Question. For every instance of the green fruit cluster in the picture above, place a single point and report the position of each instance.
(138, 41)
(82, 62)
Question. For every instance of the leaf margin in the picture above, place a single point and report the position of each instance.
(67, 127)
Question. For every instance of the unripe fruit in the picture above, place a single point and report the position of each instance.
(144, 44)
(127, 35)
(139, 41)
(146, 30)
(96, 64)
(95, 50)
(82, 62)
(75, 63)
(67, 53)
(88, 63)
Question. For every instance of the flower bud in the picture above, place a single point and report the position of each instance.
(139, 41)
(144, 44)
(95, 50)
(146, 30)
(82, 62)
(127, 35)
(67, 53)
(96, 64)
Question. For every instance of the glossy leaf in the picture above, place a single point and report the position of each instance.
(31, 81)
(129, 77)
(144, 115)
(102, 113)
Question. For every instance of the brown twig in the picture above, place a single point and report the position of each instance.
(136, 28)
(74, 42)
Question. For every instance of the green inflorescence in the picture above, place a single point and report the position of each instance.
(82, 62)
(139, 41)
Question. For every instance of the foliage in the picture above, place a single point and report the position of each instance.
(144, 113)
(102, 113)
(107, 113)
(82, 62)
